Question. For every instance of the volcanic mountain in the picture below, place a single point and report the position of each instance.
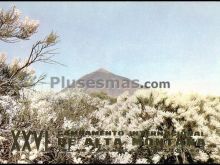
(102, 80)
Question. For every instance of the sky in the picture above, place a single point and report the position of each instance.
(149, 41)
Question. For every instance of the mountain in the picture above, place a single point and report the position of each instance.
(102, 80)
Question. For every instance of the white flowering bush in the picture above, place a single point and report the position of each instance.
(144, 110)
(18, 75)
(9, 108)
(13, 28)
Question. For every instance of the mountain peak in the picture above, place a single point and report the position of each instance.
(102, 70)
(107, 77)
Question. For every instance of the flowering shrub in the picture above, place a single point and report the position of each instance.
(17, 76)
(9, 108)
(144, 110)
(13, 27)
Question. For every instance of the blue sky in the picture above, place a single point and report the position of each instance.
(169, 41)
